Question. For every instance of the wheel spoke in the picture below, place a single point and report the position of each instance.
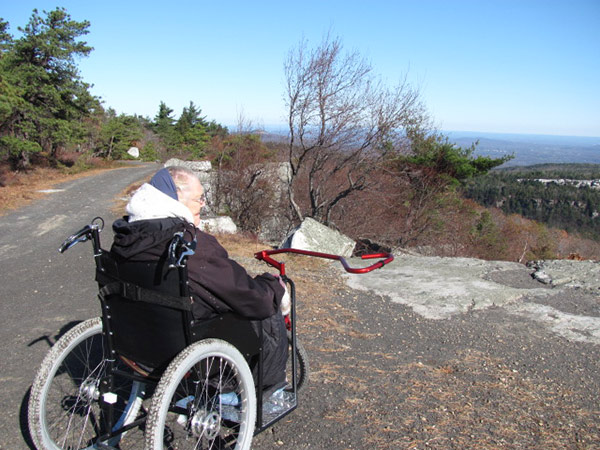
(64, 411)
(199, 377)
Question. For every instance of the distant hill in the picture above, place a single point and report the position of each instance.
(549, 193)
(576, 171)
(528, 149)
(531, 149)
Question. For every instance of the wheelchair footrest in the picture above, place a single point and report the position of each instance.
(278, 405)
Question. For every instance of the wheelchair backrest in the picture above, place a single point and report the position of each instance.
(149, 320)
(143, 310)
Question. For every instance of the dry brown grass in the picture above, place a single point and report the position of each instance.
(472, 409)
(22, 188)
(472, 401)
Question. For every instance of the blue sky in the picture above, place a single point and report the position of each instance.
(496, 66)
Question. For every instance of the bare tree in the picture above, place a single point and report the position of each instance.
(342, 121)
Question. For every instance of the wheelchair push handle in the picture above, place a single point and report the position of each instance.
(90, 231)
(265, 255)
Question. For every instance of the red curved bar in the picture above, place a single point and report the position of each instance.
(265, 255)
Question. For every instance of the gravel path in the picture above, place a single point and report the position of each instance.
(42, 291)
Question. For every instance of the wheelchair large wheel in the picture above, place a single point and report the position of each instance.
(302, 366)
(204, 400)
(64, 411)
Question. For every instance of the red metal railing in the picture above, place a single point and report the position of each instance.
(265, 255)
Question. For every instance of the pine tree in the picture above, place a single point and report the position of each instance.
(42, 96)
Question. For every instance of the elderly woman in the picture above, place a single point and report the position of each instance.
(171, 202)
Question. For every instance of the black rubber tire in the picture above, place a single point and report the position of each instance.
(187, 411)
(302, 365)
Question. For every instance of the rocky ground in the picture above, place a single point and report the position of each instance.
(388, 373)
(442, 353)
(385, 376)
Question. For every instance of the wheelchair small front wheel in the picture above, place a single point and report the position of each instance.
(205, 399)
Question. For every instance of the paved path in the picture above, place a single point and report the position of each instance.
(41, 290)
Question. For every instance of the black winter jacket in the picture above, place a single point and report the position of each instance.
(217, 283)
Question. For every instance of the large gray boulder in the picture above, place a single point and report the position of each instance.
(316, 237)
(196, 166)
(218, 225)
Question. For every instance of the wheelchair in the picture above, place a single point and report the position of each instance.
(146, 374)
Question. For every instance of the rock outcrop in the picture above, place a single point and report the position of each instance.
(561, 295)
(218, 225)
(275, 224)
(569, 273)
(314, 236)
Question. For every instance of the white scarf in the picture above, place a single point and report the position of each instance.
(150, 203)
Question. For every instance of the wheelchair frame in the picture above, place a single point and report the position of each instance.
(154, 305)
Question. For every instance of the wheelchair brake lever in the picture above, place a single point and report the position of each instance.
(173, 246)
(189, 248)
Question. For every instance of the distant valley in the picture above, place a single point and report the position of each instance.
(531, 149)
(528, 149)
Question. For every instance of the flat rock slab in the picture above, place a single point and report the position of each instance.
(438, 288)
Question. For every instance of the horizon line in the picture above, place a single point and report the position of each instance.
(283, 127)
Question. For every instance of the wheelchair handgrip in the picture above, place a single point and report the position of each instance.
(81, 236)
(90, 231)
